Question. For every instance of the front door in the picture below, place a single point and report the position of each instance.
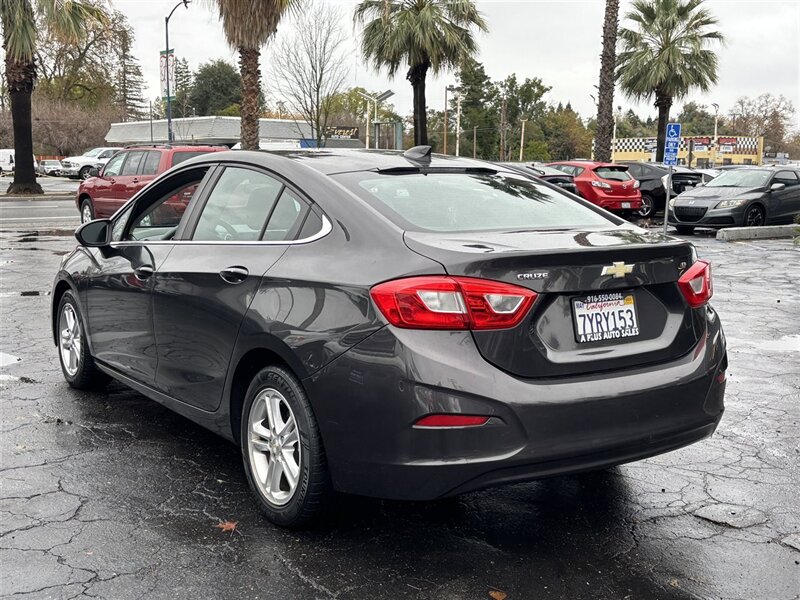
(119, 290)
(107, 187)
(205, 286)
(785, 204)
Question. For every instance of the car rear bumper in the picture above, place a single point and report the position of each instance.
(368, 399)
(613, 203)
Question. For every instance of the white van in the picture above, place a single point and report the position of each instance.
(7, 160)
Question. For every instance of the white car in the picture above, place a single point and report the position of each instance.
(79, 166)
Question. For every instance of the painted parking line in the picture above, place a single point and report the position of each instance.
(53, 218)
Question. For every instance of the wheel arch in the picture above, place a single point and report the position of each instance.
(248, 364)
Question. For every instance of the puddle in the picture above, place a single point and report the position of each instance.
(23, 379)
(787, 343)
(8, 359)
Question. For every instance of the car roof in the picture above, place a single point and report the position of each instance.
(585, 163)
(329, 161)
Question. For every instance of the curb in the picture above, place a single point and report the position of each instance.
(733, 234)
(37, 197)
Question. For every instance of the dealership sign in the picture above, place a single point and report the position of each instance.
(341, 133)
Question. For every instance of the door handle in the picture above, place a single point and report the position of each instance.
(135, 180)
(112, 180)
(143, 272)
(234, 275)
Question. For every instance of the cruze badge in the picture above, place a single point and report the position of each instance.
(617, 270)
(529, 276)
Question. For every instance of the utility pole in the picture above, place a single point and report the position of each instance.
(458, 125)
(475, 142)
(522, 139)
(503, 130)
(716, 140)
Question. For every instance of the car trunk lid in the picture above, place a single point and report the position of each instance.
(565, 267)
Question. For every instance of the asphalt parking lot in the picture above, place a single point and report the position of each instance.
(110, 495)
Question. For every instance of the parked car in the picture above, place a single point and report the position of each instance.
(548, 174)
(80, 166)
(607, 185)
(128, 172)
(652, 180)
(744, 197)
(708, 174)
(7, 161)
(393, 324)
(49, 167)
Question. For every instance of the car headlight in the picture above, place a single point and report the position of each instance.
(601, 184)
(672, 203)
(730, 203)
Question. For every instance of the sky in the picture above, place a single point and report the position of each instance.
(558, 41)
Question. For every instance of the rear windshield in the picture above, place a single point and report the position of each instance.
(179, 157)
(469, 202)
(614, 173)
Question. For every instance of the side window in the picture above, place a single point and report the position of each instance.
(131, 166)
(286, 219)
(238, 206)
(165, 207)
(786, 177)
(150, 163)
(312, 225)
(114, 166)
(636, 170)
(577, 171)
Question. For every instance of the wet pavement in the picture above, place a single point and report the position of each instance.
(110, 495)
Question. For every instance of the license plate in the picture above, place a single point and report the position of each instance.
(626, 205)
(605, 317)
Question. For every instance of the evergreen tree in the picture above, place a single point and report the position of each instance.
(480, 115)
(217, 86)
(184, 82)
(130, 81)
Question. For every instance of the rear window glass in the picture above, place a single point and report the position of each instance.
(469, 202)
(179, 157)
(613, 173)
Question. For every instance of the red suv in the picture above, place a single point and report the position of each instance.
(607, 185)
(126, 173)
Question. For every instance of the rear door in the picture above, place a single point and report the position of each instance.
(148, 169)
(128, 178)
(207, 283)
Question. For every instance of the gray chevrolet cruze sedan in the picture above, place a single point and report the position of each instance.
(401, 325)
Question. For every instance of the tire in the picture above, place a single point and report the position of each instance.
(282, 503)
(684, 229)
(87, 211)
(754, 216)
(77, 363)
(648, 207)
(84, 172)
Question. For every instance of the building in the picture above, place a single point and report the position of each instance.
(274, 134)
(732, 150)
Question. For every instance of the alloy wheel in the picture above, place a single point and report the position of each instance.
(754, 217)
(70, 344)
(647, 207)
(274, 446)
(86, 213)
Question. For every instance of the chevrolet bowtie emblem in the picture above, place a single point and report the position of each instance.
(618, 270)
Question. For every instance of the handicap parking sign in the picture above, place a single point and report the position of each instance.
(672, 144)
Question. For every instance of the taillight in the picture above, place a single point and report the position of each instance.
(451, 420)
(442, 302)
(696, 284)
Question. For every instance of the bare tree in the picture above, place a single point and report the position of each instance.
(309, 66)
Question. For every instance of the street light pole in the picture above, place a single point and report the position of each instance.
(446, 89)
(170, 134)
(458, 125)
(522, 139)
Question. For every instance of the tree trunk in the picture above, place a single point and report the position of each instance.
(251, 81)
(605, 99)
(663, 103)
(20, 77)
(416, 75)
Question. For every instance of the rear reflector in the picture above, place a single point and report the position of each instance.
(696, 284)
(451, 421)
(442, 302)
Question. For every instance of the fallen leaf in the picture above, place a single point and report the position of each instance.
(227, 525)
(497, 595)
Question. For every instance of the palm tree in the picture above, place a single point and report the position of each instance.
(605, 91)
(667, 54)
(249, 25)
(424, 34)
(66, 20)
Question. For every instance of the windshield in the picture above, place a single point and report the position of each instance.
(93, 152)
(741, 178)
(458, 202)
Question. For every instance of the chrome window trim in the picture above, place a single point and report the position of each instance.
(326, 228)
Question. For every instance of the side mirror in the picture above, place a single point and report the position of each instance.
(777, 187)
(94, 172)
(94, 234)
